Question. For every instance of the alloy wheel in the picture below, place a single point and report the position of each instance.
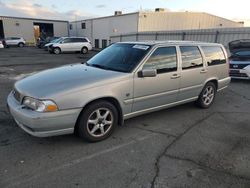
(100, 122)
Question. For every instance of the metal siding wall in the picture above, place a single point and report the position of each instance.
(26, 28)
(224, 36)
(169, 21)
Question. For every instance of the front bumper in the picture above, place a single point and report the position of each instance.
(239, 73)
(43, 124)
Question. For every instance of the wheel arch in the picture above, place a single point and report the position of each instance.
(214, 81)
(112, 100)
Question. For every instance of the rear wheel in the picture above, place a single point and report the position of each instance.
(98, 121)
(207, 95)
(84, 50)
(21, 45)
(57, 50)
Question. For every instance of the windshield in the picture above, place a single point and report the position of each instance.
(120, 57)
(56, 40)
(243, 53)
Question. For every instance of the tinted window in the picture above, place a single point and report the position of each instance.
(82, 40)
(68, 40)
(120, 57)
(163, 60)
(191, 57)
(77, 40)
(214, 55)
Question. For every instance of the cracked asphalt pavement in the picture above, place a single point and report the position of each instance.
(179, 147)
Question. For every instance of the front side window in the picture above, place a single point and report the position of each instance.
(191, 57)
(68, 40)
(214, 55)
(164, 59)
(120, 57)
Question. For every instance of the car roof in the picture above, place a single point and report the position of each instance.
(169, 42)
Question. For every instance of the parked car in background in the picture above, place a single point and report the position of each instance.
(15, 41)
(71, 44)
(41, 42)
(240, 59)
(122, 81)
(2, 43)
(48, 45)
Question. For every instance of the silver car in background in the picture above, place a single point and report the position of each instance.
(71, 44)
(15, 41)
(240, 59)
(123, 81)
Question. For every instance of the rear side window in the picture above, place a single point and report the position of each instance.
(214, 55)
(163, 59)
(68, 40)
(79, 40)
(191, 57)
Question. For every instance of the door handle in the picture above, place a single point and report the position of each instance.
(175, 76)
(203, 71)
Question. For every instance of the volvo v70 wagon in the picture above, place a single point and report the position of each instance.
(125, 80)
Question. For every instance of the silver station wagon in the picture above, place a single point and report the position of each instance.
(125, 80)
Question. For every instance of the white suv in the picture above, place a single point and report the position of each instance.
(15, 41)
(72, 44)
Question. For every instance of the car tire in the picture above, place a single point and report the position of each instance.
(57, 51)
(84, 50)
(207, 95)
(97, 121)
(20, 45)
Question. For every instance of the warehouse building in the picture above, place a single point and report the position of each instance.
(30, 29)
(99, 30)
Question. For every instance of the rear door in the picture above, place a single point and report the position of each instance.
(193, 74)
(80, 43)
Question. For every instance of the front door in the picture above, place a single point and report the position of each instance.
(153, 92)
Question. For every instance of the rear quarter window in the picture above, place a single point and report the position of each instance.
(214, 55)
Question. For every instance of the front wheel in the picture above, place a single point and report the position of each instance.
(57, 50)
(207, 95)
(98, 121)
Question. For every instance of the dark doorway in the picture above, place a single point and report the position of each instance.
(96, 43)
(1, 30)
(45, 29)
(104, 43)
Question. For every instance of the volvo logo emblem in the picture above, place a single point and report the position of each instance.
(235, 66)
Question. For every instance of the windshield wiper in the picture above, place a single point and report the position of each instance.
(104, 67)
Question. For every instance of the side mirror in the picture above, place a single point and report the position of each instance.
(147, 73)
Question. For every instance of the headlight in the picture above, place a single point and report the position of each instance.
(40, 105)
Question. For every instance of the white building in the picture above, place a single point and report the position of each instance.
(30, 28)
(99, 30)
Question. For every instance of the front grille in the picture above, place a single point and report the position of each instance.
(17, 95)
(238, 66)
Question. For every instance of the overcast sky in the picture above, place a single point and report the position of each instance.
(81, 9)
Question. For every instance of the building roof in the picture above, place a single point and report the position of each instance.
(151, 12)
(36, 19)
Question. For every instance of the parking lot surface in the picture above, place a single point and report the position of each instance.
(179, 147)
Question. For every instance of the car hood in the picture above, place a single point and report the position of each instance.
(239, 45)
(48, 44)
(66, 79)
